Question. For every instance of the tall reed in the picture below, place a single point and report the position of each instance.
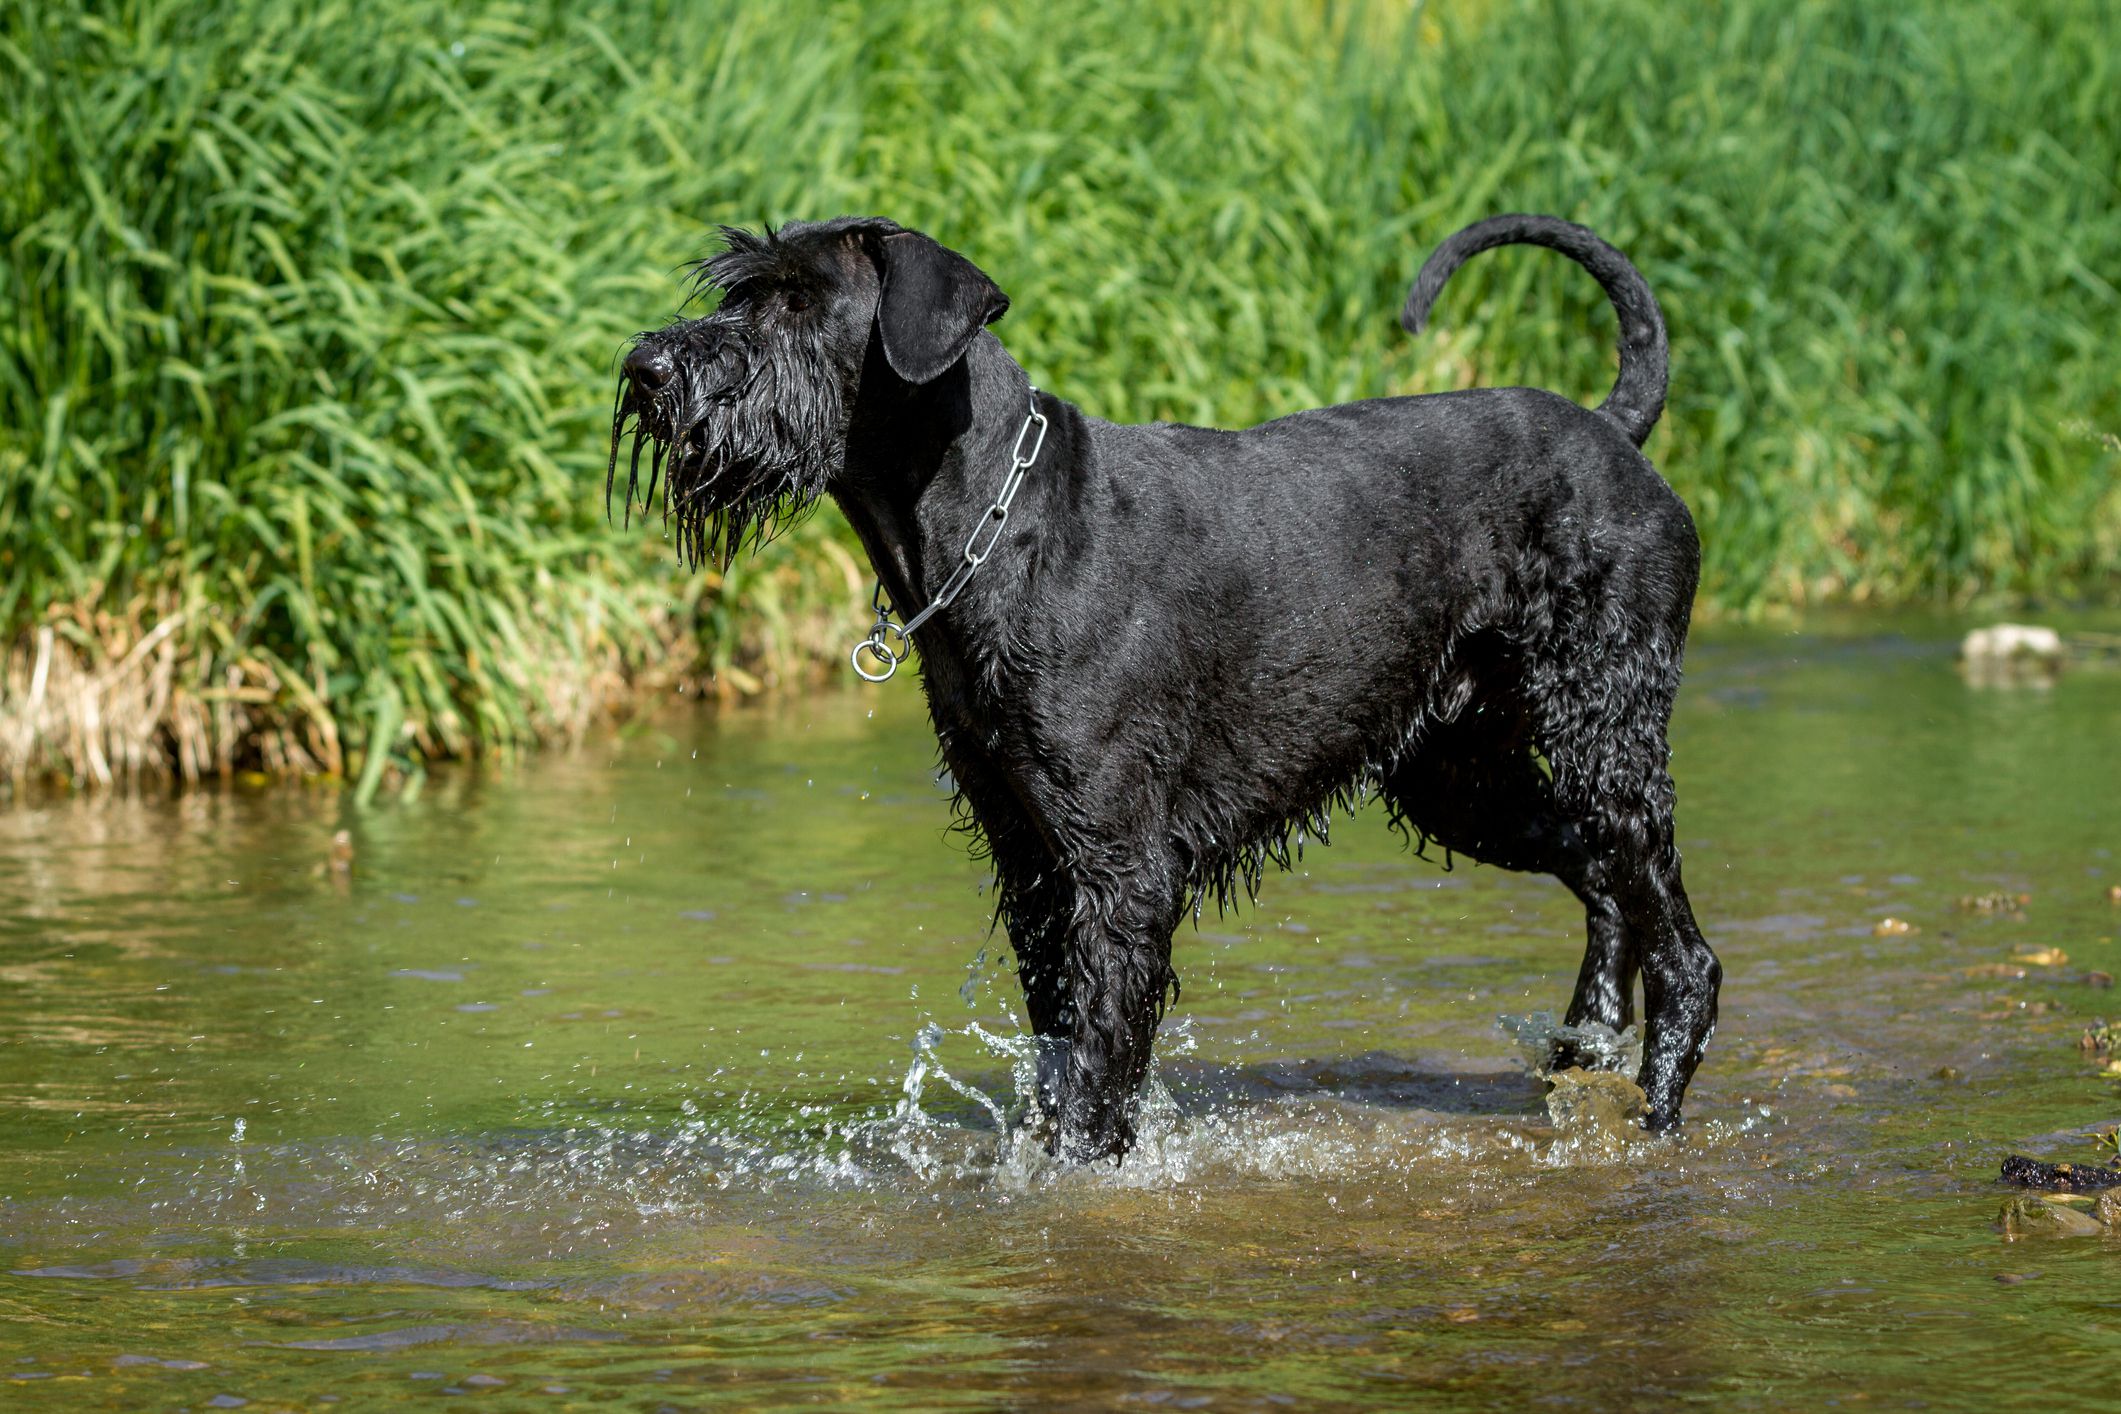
(308, 312)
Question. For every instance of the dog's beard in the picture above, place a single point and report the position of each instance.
(743, 440)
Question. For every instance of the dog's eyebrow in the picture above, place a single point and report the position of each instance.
(745, 258)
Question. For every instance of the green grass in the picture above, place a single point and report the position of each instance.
(308, 313)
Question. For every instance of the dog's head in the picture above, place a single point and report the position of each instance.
(745, 411)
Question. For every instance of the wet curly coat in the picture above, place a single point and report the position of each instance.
(1192, 646)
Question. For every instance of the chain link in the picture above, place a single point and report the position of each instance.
(877, 643)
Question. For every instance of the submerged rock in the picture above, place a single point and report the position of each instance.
(1994, 901)
(2045, 1217)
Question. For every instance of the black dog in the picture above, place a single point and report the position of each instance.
(1184, 646)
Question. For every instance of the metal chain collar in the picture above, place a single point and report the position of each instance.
(877, 644)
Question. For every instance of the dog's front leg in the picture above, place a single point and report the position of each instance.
(1119, 965)
(1036, 904)
(1034, 901)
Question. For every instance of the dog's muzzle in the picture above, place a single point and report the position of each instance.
(665, 400)
(735, 452)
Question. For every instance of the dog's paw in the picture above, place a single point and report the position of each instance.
(1093, 1131)
(1084, 1149)
(1661, 1121)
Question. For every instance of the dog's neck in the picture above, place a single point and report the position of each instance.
(924, 463)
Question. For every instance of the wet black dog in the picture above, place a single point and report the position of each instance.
(1187, 646)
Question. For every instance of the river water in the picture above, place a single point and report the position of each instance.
(681, 1069)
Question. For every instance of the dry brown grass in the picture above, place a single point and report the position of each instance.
(101, 701)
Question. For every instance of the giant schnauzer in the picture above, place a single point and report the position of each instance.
(1155, 655)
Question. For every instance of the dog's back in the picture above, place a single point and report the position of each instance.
(1326, 572)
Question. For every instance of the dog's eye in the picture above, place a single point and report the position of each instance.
(795, 303)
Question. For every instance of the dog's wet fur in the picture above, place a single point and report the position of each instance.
(1191, 647)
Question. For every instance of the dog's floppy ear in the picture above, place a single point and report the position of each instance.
(933, 305)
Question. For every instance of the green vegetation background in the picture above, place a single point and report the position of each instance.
(309, 312)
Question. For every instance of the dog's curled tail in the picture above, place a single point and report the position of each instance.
(1638, 394)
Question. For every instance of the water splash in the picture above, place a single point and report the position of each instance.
(963, 1125)
(1539, 1035)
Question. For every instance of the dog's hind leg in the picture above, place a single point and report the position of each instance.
(1477, 792)
(1680, 976)
(1603, 710)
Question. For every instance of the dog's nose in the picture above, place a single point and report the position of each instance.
(649, 367)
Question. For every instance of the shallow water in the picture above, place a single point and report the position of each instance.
(680, 1069)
